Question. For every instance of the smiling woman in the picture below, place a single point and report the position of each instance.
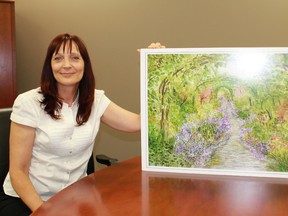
(54, 126)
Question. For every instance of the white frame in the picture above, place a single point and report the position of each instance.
(144, 113)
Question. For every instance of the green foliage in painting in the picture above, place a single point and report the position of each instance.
(193, 103)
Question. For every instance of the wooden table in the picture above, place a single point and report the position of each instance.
(123, 189)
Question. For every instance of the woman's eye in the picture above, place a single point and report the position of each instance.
(75, 57)
(57, 58)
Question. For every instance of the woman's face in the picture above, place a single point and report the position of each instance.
(68, 66)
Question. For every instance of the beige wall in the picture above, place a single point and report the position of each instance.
(114, 29)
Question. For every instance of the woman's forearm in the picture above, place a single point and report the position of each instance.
(25, 189)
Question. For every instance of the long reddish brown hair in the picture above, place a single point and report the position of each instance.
(52, 103)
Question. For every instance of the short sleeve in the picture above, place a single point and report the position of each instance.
(26, 109)
(101, 102)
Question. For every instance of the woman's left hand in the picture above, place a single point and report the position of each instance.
(156, 45)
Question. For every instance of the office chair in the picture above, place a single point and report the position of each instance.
(102, 159)
(4, 143)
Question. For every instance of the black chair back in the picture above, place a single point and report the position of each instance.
(4, 143)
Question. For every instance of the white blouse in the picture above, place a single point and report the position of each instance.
(61, 148)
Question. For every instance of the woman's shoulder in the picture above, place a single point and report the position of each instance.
(101, 98)
(33, 95)
(26, 108)
(36, 92)
(99, 92)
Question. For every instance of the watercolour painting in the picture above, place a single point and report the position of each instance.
(220, 111)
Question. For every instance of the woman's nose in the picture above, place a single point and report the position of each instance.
(66, 63)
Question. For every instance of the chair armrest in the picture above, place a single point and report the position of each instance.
(103, 159)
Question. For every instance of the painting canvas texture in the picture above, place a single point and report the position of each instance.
(215, 111)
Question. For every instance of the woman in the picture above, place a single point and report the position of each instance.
(53, 127)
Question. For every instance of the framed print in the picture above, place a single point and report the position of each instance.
(220, 111)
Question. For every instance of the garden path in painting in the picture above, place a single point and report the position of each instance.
(233, 155)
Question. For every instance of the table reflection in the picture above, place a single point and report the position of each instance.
(209, 194)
